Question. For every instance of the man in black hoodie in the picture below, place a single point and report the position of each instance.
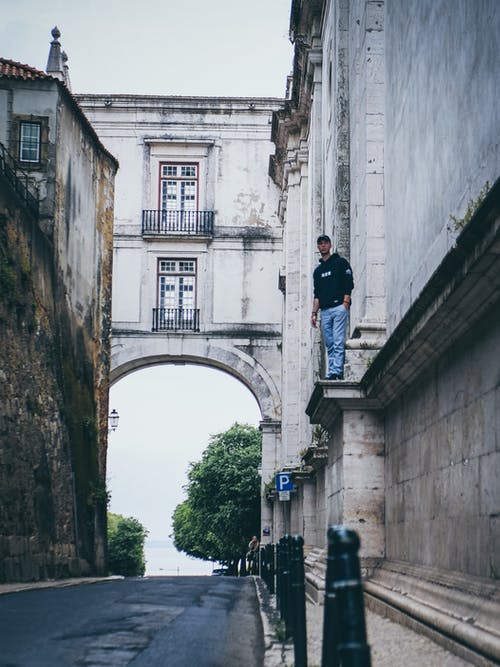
(333, 284)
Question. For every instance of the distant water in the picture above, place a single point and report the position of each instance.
(163, 559)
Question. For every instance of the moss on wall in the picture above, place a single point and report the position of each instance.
(49, 446)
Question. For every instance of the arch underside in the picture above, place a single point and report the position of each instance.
(133, 352)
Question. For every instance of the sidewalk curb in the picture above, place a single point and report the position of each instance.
(19, 587)
(277, 653)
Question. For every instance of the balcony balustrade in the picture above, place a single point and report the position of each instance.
(177, 223)
(176, 319)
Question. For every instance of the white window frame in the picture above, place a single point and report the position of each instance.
(179, 186)
(177, 283)
(29, 145)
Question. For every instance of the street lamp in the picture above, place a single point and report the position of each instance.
(113, 419)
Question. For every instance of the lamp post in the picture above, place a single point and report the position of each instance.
(113, 419)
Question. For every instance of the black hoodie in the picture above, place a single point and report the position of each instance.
(332, 280)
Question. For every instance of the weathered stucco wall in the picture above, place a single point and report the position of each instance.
(237, 270)
(442, 131)
(84, 245)
(55, 357)
(235, 289)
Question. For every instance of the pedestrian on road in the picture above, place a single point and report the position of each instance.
(333, 284)
(252, 554)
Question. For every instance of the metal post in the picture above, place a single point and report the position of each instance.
(284, 580)
(286, 597)
(344, 631)
(282, 577)
(278, 577)
(298, 599)
(270, 567)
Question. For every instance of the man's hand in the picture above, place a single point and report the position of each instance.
(314, 317)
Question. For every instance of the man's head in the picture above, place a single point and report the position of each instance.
(324, 246)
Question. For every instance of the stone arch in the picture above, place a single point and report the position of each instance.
(130, 353)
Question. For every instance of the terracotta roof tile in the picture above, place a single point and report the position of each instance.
(13, 70)
(10, 69)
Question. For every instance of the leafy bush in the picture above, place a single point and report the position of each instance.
(126, 537)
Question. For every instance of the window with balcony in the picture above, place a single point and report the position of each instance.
(179, 188)
(178, 206)
(176, 296)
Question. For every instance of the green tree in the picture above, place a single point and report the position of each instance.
(222, 509)
(126, 537)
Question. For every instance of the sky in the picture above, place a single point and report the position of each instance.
(160, 47)
(167, 414)
(234, 48)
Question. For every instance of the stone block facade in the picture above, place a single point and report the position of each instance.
(410, 457)
(442, 461)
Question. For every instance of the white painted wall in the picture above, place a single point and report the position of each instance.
(238, 268)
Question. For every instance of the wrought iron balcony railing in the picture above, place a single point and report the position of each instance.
(172, 223)
(176, 319)
(18, 179)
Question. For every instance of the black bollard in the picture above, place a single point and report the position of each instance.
(278, 577)
(270, 567)
(344, 631)
(285, 597)
(287, 586)
(298, 599)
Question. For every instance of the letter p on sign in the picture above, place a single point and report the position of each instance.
(284, 482)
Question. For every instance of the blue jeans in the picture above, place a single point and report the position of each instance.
(333, 326)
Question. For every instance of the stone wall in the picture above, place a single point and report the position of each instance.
(365, 85)
(37, 516)
(442, 459)
(442, 119)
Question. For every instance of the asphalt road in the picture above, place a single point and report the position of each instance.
(150, 622)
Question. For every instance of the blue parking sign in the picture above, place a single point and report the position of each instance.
(284, 481)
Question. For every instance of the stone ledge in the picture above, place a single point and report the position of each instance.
(330, 398)
(315, 457)
(458, 612)
(463, 289)
(463, 609)
(315, 572)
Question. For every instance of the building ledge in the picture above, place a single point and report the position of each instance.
(457, 608)
(315, 457)
(457, 611)
(463, 291)
(302, 474)
(330, 398)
